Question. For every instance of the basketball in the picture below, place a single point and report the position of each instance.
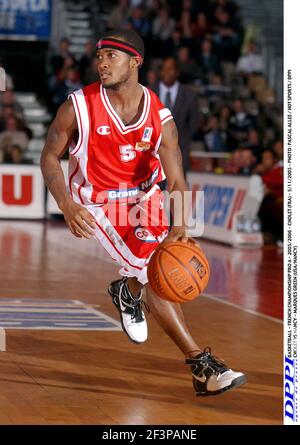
(178, 272)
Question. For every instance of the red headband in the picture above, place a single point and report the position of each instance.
(118, 44)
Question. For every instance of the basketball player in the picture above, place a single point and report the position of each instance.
(121, 139)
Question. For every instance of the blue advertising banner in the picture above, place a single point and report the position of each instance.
(25, 19)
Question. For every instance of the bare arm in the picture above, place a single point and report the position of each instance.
(59, 135)
(171, 160)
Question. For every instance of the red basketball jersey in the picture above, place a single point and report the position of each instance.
(111, 160)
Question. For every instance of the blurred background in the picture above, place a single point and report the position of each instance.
(217, 64)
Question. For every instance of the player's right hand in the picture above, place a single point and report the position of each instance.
(78, 219)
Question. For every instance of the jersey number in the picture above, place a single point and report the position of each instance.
(127, 153)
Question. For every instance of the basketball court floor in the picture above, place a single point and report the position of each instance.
(67, 360)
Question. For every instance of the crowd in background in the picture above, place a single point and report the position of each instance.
(14, 134)
(200, 53)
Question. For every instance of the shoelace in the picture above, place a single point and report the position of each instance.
(212, 361)
(137, 309)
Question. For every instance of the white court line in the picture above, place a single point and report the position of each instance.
(237, 306)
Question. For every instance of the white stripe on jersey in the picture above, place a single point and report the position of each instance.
(81, 188)
(123, 129)
(165, 112)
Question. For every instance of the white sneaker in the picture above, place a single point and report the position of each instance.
(131, 314)
(210, 376)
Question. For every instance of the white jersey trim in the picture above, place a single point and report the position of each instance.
(80, 187)
(166, 119)
(123, 129)
(165, 112)
(156, 154)
(82, 119)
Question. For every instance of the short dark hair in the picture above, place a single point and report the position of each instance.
(174, 60)
(130, 36)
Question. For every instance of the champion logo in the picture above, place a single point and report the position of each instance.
(103, 130)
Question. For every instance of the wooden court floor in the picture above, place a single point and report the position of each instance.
(100, 377)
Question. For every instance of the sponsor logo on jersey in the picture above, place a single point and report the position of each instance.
(144, 235)
(146, 184)
(147, 134)
(142, 146)
(103, 130)
(119, 194)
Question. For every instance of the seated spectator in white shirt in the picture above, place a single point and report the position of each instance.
(251, 62)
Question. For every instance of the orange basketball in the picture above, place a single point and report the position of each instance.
(178, 271)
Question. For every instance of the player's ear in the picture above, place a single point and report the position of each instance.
(136, 62)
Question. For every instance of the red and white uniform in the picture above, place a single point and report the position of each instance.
(112, 163)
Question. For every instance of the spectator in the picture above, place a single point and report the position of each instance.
(9, 83)
(271, 209)
(173, 44)
(72, 81)
(247, 162)
(87, 58)
(278, 149)
(185, 26)
(57, 60)
(251, 62)
(151, 79)
(235, 163)
(69, 62)
(216, 91)
(240, 123)
(118, 15)
(13, 135)
(254, 143)
(64, 83)
(163, 25)
(58, 89)
(15, 155)
(207, 60)
(268, 161)
(8, 100)
(5, 113)
(224, 114)
(183, 104)
(226, 36)
(224, 117)
(91, 73)
(201, 27)
(229, 6)
(139, 22)
(272, 174)
(269, 135)
(212, 137)
(189, 69)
